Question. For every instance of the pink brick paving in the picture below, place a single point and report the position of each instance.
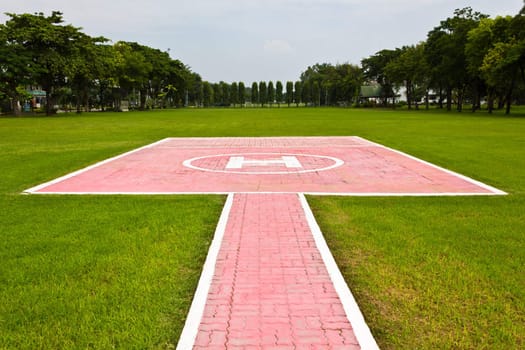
(275, 284)
(271, 289)
(197, 165)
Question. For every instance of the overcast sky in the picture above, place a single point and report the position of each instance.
(256, 40)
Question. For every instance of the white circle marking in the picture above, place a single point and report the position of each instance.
(337, 163)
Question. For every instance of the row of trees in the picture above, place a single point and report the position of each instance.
(467, 58)
(40, 51)
(262, 94)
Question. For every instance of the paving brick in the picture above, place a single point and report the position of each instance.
(271, 288)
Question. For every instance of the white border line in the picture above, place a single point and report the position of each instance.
(193, 320)
(65, 177)
(340, 194)
(493, 190)
(353, 313)
(450, 172)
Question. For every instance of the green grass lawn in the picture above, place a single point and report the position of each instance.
(119, 271)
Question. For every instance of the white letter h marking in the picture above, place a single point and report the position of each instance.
(240, 162)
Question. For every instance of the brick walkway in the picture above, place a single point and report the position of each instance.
(271, 289)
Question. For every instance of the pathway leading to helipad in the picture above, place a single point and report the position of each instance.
(271, 288)
(269, 281)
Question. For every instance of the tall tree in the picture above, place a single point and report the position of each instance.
(289, 92)
(263, 93)
(410, 69)
(234, 94)
(445, 51)
(133, 71)
(255, 94)
(52, 47)
(279, 92)
(298, 93)
(271, 93)
(242, 94)
(16, 64)
(306, 92)
(207, 94)
(374, 71)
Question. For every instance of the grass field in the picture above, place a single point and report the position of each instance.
(119, 271)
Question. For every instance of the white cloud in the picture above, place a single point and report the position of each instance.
(277, 46)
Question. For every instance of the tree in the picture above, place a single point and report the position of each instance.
(234, 93)
(279, 92)
(496, 54)
(374, 71)
(289, 92)
(306, 92)
(271, 93)
(255, 94)
(242, 94)
(445, 52)
(409, 68)
(263, 93)
(207, 94)
(91, 64)
(52, 47)
(132, 72)
(298, 93)
(16, 64)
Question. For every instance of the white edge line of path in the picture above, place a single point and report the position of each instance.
(193, 320)
(362, 332)
(75, 173)
(450, 172)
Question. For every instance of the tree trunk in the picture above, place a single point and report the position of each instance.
(440, 97)
(460, 100)
(509, 95)
(490, 102)
(142, 99)
(79, 104)
(409, 94)
(449, 98)
(15, 105)
(50, 103)
(87, 108)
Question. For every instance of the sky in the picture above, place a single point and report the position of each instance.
(260, 40)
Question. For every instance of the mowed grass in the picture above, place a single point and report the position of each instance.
(119, 271)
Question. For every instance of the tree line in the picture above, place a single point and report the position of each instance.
(468, 59)
(38, 51)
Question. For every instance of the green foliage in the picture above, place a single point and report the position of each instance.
(298, 93)
(332, 85)
(279, 92)
(242, 93)
(40, 50)
(289, 92)
(271, 93)
(255, 93)
(263, 93)
(409, 68)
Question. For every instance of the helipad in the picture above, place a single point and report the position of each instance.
(314, 165)
(269, 280)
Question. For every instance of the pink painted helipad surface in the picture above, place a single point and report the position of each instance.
(316, 165)
(269, 281)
